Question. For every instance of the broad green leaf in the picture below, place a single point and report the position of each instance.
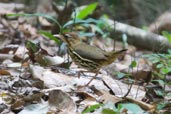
(165, 70)
(120, 75)
(79, 21)
(97, 29)
(132, 108)
(133, 64)
(161, 82)
(167, 35)
(109, 111)
(169, 51)
(91, 108)
(86, 34)
(33, 46)
(86, 11)
(160, 106)
(160, 65)
(35, 14)
(159, 92)
(155, 60)
(50, 36)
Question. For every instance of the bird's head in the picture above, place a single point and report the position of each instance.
(70, 38)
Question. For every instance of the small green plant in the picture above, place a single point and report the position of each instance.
(161, 68)
(162, 62)
(92, 108)
(167, 35)
(81, 18)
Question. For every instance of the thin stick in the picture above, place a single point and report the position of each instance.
(92, 79)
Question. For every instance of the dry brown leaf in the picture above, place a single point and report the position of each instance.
(18, 105)
(120, 89)
(6, 56)
(144, 105)
(107, 97)
(48, 60)
(52, 79)
(21, 53)
(4, 72)
(33, 97)
(4, 40)
(61, 100)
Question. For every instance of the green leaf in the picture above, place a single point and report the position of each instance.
(86, 11)
(96, 28)
(160, 65)
(91, 108)
(79, 21)
(161, 82)
(32, 46)
(120, 75)
(109, 111)
(167, 35)
(160, 106)
(159, 92)
(132, 108)
(35, 14)
(50, 36)
(155, 60)
(133, 64)
(169, 51)
(88, 34)
(165, 70)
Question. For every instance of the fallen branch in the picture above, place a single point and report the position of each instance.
(142, 38)
(6, 8)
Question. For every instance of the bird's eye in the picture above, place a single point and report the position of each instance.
(67, 36)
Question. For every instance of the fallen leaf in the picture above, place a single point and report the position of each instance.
(61, 100)
(4, 72)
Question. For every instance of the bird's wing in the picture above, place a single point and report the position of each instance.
(90, 52)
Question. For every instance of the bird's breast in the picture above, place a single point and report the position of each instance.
(83, 62)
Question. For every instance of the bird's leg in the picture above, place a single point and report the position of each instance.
(82, 72)
(92, 78)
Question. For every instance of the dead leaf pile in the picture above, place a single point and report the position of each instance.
(32, 80)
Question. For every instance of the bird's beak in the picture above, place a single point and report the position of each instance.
(58, 36)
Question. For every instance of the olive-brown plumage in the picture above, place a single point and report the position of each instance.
(87, 56)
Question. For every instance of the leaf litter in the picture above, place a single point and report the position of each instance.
(29, 84)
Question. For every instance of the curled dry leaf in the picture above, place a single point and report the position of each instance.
(48, 60)
(52, 79)
(32, 98)
(4, 72)
(3, 107)
(107, 97)
(21, 53)
(6, 56)
(4, 40)
(143, 75)
(9, 49)
(120, 89)
(14, 65)
(61, 100)
(144, 105)
(18, 105)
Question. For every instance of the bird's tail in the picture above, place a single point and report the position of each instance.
(114, 55)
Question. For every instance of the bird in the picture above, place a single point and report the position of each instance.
(87, 56)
